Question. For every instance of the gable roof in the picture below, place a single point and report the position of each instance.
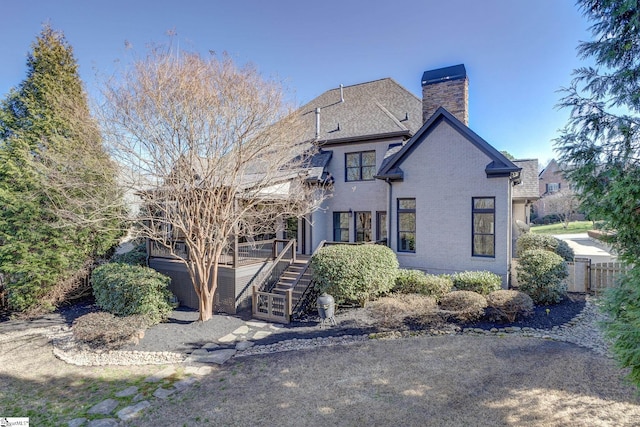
(499, 165)
(377, 109)
(528, 187)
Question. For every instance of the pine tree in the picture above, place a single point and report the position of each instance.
(601, 146)
(51, 165)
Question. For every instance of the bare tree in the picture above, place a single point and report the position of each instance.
(213, 150)
(563, 203)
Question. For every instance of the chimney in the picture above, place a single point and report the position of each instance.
(446, 87)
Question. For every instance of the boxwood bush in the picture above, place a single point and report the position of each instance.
(418, 282)
(482, 282)
(530, 241)
(509, 305)
(125, 290)
(541, 274)
(463, 306)
(354, 273)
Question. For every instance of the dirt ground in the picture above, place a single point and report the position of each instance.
(450, 380)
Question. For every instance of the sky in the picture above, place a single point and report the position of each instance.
(518, 53)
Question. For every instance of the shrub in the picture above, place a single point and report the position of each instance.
(136, 256)
(464, 306)
(124, 290)
(530, 241)
(105, 330)
(622, 303)
(417, 282)
(482, 282)
(541, 274)
(354, 273)
(509, 305)
(398, 310)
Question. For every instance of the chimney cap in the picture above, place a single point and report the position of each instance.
(455, 72)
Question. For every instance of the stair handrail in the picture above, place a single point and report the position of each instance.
(304, 270)
(265, 275)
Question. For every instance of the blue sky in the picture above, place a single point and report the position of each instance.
(518, 53)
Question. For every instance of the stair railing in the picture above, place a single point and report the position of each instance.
(308, 294)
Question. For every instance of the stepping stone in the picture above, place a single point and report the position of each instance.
(163, 393)
(76, 422)
(227, 338)
(138, 397)
(210, 346)
(199, 351)
(261, 334)
(185, 383)
(243, 345)
(159, 376)
(132, 411)
(105, 407)
(198, 370)
(244, 329)
(276, 327)
(255, 324)
(129, 391)
(218, 356)
(103, 422)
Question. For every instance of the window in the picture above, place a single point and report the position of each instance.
(484, 213)
(553, 187)
(381, 225)
(363, 226)
(360, 166)
(340, 226)
(406, 225)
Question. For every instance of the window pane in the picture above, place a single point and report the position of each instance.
(368, 172)
(382, 225)
(363, 226)
(406, 203)
(353, 174)
(344, 235)
(407, 222)
(483, 245)
(344, 220)
(369, 158)
(483, 223)
(353, 160)
(483, 203)
(407, 242)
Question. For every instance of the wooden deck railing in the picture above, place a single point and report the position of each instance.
(270, 306)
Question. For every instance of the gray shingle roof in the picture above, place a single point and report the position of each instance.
(372, 109)
(528, 187)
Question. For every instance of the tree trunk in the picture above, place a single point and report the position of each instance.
(206, 307)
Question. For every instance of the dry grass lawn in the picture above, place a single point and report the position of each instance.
(440, 381)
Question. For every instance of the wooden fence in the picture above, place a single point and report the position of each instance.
(585, 276)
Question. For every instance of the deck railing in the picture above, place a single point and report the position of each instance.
(267, 305)
(246, 253)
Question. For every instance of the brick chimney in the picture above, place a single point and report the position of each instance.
(446, 87)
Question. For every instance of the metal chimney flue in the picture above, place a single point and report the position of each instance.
(317, 122)
(341, 93)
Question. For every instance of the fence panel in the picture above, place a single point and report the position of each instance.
(578, 280)
(604, 275)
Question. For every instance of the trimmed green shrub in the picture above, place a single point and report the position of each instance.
(482, 282)
(508, 305)
(125, 290)
(354, 273)
(541, 274)
(622, 303)
(136, 256)
(418, 282)
(530, 241)
(464, 306)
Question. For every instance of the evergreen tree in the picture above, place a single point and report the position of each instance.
(52, 165)
(601, 146)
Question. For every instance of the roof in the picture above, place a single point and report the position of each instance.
(455, 72)
(499, 165)
(377, 109)
(528, 187)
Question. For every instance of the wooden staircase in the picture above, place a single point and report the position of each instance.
(297, 278)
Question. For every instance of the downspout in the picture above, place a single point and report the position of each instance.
(390, 203)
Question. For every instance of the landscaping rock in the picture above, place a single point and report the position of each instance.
(129, 391)
(243, 345)
(163, 393)
(76, 422)
(210, 346)
(218, 356)
(185, 383)
(261, 334)
(199, 351)
(104, 408)
(242, 330)
(198, 370)
(132, 411)
(228, 338)
(103, 422)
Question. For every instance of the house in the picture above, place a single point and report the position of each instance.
(412, 174)
(403, 171)
(551, 180)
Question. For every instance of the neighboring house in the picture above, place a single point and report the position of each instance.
(405, 172)
(551, 180)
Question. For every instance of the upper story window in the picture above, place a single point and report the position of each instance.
(360, 166)
(553, 187)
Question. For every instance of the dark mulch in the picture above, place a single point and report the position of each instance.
(557, 315)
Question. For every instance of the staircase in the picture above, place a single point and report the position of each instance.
(296, 277)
